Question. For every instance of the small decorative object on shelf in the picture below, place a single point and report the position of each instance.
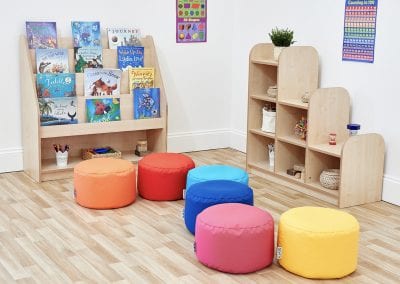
(141, 148)
(301, 128)
(102, 152)
(330, 178)
(272, 91)
(306, 97)
(332, 138)
(281, 38)
(61, 155)
(271, 155)
(269, 118)
(353, 128)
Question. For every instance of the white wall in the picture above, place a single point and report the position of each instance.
(196, 76)
(373, 87)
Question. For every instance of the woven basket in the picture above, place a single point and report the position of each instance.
(91, 154)
(330, 178)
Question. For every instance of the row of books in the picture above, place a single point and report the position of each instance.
(63, 110)
(97, 82)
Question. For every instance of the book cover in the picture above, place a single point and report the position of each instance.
(103, 110)
(141, 78)
(86, 33)
(123, 37)
(55, 85)
(146, 103)
(52, 60)
(56, 111)
(130, 57)
(41, 34)
(102, 82)
(88, 57)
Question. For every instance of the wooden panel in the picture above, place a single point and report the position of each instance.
(329, 113)
(263, 97)
(263, 133)
(333, 150)
(362, 170)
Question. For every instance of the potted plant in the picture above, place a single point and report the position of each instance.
(281, 38)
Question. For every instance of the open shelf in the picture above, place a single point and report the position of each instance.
(263, 97)
(333, 150)
(262, 133)
(262, 166)
(287, 155)
(294, 103)
(319, 187)
(316, 163)
(285, 175)
(269, 61)
(292, 139)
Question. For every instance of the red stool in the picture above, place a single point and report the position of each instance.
(162, 176)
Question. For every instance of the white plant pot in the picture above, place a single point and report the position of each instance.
(277, 51)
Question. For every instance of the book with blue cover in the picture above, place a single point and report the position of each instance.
(88, 57)
(123, 37)
(57, 111)
(102, 82)
(146, 103)
(50, 85)
(41, 34)
(130, 57)
(103, 110)
(86, 33)
(52, 60)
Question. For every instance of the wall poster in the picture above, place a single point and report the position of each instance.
(359, 30)
(191, 21)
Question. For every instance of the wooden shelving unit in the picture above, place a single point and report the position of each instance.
(360, 158)
(39, 157)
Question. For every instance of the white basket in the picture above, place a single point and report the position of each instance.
(269, 118)
(330, 178)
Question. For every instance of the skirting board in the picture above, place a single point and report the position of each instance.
(391, 190)
(11, 160)
(238, 140)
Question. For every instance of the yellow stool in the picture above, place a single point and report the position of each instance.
(316, 242)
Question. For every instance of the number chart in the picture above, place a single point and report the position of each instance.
(191, 21)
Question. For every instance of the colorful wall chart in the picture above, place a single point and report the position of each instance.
(191, 21)
(359, 30)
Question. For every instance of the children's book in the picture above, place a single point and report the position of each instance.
(52, 61)
(55, 85)
(123, 37)
(146, 103)
(102, 82)
(130, 57)
(86, 33)
(56, 111)
(88, 57)
(141, 78)
(41, 34)
(103, 110)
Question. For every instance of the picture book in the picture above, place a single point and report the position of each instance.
(56, 111)
(141, 78)
(41, 34)
(130, 57)
(123, 37)
(88, 57)
(52, 61)
(55, 85)
(146, 103)
(102, 82)
(86, 33)
(103, 110)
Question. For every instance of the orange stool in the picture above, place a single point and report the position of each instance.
(105, 183)
(162, 176)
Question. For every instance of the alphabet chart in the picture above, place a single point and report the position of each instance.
(359, 30)
(191, 21)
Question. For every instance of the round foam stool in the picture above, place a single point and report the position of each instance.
(162, 176)
(104, 183)
(234, 238)
(207, 193)
(215, 172)
(317, 242)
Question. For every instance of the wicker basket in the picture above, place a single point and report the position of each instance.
(330, 178)
(91, 153)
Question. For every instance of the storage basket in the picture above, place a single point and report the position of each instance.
(108, 153)
(330, 178)
(272, 91)
(269, 118)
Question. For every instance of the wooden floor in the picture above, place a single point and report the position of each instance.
(45, 237)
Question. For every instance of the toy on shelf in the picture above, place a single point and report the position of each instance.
(301, 128)
(353, 128)
(141, 148)
(332, 138)
(101, 152)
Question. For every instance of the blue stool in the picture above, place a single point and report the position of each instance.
(216, 172)
(205, 194)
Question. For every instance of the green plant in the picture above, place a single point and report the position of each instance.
(281, 37)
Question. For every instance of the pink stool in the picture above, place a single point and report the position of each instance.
(234, 238)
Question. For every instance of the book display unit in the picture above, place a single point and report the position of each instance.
(358, 158)
(39, 157)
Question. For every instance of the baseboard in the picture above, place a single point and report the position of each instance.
(391, 190)
(238, 140)
(198, 140)
(11, 160)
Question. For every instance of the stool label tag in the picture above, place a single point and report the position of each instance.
(278, 252)
(184, 193)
